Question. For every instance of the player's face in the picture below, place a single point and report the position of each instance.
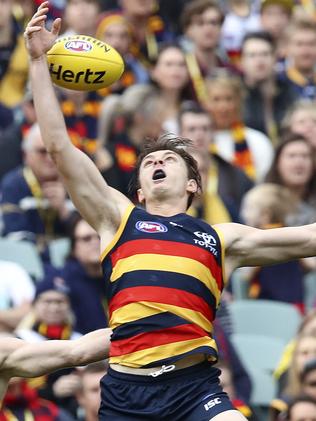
(87, 244)
(205, 29)
(171, 71)
(164, 175)
(296, 164)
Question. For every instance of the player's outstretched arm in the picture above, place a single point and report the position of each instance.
(247, 246)
(99, 204)
(23, 359)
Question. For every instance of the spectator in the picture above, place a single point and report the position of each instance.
(89, 392)
(13, 57)
(140, 117)
(201, 22)
(34, 202)
(304, 351)
(267, 97)
(302, 408)
(83, 275)
(293, 167)
(229, 355)
(244, 147)
(301, 58)
(308, 379)
(114, 30)
(16, 294)
(301, 119)
(170, 76)
(241, 18)
(52, 318)
(226, 379)
(147, 28)
(275, 16)
(22, 403)
(266, 206)
(223, 184)
(81, 17)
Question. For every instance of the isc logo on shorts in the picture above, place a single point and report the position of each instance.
(212, 403)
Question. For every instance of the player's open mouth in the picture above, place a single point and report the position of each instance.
(159, 174)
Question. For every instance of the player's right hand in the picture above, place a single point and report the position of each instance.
(39, 39)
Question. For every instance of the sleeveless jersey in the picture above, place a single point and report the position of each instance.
(164, 280)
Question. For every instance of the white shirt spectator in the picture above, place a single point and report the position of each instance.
(259, 145)
(16, 286)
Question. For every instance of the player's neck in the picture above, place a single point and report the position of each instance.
(164, 209)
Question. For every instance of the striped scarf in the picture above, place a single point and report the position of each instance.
(242, 157)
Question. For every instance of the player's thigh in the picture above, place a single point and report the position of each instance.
(231, 415)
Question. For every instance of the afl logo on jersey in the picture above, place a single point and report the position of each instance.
(150, 227)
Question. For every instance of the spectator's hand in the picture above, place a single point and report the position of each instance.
(66, 386)
(38, 39)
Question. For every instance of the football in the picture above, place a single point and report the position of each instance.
(84, 63)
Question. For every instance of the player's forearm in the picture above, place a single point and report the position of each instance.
(91, 347)
(49, 115)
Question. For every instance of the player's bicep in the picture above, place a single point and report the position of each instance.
(94, 199)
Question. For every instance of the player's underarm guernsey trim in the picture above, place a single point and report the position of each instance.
(164, 280)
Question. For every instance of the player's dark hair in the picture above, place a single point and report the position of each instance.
(261, 36)
(172, 143)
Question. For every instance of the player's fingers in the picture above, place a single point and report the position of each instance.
(43, 5)
(38, 20)
(56, 26)
(30, 31)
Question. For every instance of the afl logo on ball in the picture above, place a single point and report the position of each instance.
(79, 46)
(150, 227)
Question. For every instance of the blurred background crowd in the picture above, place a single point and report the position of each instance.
(237, 77)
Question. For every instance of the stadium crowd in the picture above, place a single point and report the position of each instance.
(238, 78)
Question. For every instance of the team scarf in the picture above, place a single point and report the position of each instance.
(242, 156)
(63, 331)
(27, 406)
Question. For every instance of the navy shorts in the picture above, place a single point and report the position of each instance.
(189, 394)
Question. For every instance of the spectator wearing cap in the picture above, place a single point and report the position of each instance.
(275, 16)
(51, 318)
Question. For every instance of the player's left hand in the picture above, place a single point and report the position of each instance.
(39, 39)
